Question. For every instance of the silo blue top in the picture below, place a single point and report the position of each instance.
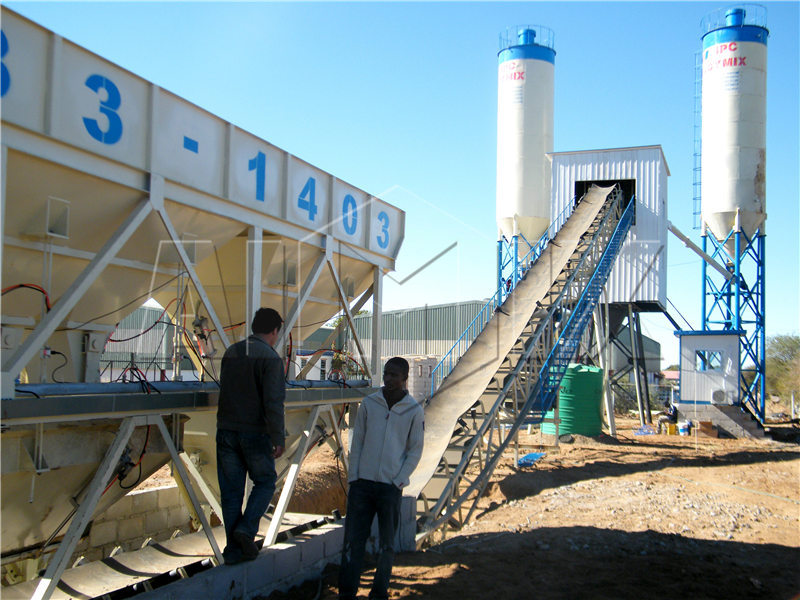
(735, 26)
(523, 45)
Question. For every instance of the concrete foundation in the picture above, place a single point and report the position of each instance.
(728, 419)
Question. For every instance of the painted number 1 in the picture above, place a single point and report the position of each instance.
(108, 107)
(259, 165)
(383, 238)
(306, 199)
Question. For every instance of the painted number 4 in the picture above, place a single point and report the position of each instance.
(306, 199)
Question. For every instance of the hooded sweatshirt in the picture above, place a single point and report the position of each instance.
(386, 444)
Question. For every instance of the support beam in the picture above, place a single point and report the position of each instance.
(201, 483)
(57, 565)
(349, 315)
(697, 250)
(643, 366)
(294, 313)
(255, 253)
(635, 356)
(181, 468)
(291, 479)
(198, 286)
(328, 340)
(377, 314)
(601, 339)
(34, 342)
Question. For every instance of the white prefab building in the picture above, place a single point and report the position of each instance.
(639, 276)
(709, 367)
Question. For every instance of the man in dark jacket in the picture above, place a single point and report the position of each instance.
(250, 432)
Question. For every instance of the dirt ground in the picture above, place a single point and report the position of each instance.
(637, 517)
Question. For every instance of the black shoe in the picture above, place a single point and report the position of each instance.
(247, 545)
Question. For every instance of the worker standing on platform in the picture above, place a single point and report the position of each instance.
(385, 447)
(250, 432)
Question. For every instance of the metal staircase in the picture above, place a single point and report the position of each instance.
(525, 385)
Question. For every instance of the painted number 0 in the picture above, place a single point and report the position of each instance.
(5, 79)
(305, 201)
(108, 107)
(349, 214)
(383, 239)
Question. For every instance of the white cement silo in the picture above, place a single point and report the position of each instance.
(524, 131)
(734, 122)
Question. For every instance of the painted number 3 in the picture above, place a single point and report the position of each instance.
(383, 238)
(108, 107)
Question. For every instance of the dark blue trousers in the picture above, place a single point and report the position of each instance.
(240, 454)
(365, 500)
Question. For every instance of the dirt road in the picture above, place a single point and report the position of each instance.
(631, 518)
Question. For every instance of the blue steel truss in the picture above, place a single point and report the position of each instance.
(740, 304)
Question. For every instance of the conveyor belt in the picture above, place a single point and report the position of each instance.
(473, 373)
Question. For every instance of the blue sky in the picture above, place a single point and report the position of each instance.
(400, 99)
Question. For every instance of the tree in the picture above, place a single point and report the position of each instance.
(783, 365)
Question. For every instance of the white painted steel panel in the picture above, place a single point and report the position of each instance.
(99, 106)
(189, 144)
(257, 173)
(349, 213)
(386, 228)
(25, 48)
(639, 274)
(307, 201)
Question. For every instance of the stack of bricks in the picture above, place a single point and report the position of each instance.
(154, 513)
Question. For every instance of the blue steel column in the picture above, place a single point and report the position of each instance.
(516, 260)
(704, 320)
(762, 334)
(500, 267)
(737, 265)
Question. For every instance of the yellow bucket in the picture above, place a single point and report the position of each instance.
(672, 429)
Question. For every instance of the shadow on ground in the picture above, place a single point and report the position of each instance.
(583, 563)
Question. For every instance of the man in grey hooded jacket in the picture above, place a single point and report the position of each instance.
(385, 447)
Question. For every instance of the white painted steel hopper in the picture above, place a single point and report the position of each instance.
(524, 131)
(734, 121)
(94, 155)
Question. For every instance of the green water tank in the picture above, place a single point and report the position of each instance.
(580, 402)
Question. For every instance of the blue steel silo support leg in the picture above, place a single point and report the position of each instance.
(737, 266)
(516, 260)
(762, 310)
(703, 315)
(500, 267)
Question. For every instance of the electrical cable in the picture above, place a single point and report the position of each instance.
(30, 286)
(119, 308)
(138, 463)
(61, 366)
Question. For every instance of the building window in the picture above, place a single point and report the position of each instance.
(708, 360)
(322, 368)
(303, 362)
